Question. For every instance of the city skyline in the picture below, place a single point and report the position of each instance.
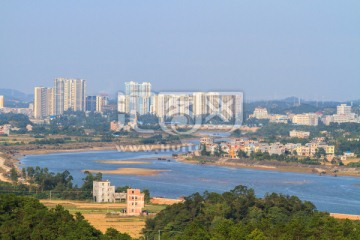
(268, 51)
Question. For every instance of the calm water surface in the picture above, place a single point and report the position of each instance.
(332, 194)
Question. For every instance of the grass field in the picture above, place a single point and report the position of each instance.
(100, 215)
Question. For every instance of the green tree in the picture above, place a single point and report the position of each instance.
(241, 154)
(147, 197)
(320, 152)
(113, 234)
(14, 176)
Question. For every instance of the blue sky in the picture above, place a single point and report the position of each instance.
(268, 49)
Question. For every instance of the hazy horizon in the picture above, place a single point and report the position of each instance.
(268, 50)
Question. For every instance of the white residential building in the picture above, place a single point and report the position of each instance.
(43, 102)
(69, 94)
(170, 105)
(103, 191)
(137, 97)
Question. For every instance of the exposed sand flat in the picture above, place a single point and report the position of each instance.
(165, 201)
(130, 171)
(122, 162)
(345, 216)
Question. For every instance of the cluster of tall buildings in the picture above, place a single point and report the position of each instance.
(139, 98)
(96, 103)
(67, 93)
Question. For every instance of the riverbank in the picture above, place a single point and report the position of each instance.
(13, 154)
(18, 152)
(273, 165)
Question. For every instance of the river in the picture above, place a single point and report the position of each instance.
(332, 194)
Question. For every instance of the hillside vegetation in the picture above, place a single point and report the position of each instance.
(238, 214)
(26, 218)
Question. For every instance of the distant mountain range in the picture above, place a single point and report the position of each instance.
(12, 95)
(15, 96)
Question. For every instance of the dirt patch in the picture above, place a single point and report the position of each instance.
(129, 225)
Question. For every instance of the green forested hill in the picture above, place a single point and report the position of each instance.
(238, 214)
(26, 218)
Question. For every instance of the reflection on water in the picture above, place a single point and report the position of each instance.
(340, 195)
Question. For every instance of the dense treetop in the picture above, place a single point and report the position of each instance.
(26, 218)
(238, 214)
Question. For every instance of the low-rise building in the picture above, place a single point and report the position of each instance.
(329, 149)
(278, 118)
(103, 191)
(115, 126)
(29, 128)
(303, 151)
(260, 113)
(308, 119)
(299, 134)
(135, 202)
(276, 148)
(26, 111)
(5, 129)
